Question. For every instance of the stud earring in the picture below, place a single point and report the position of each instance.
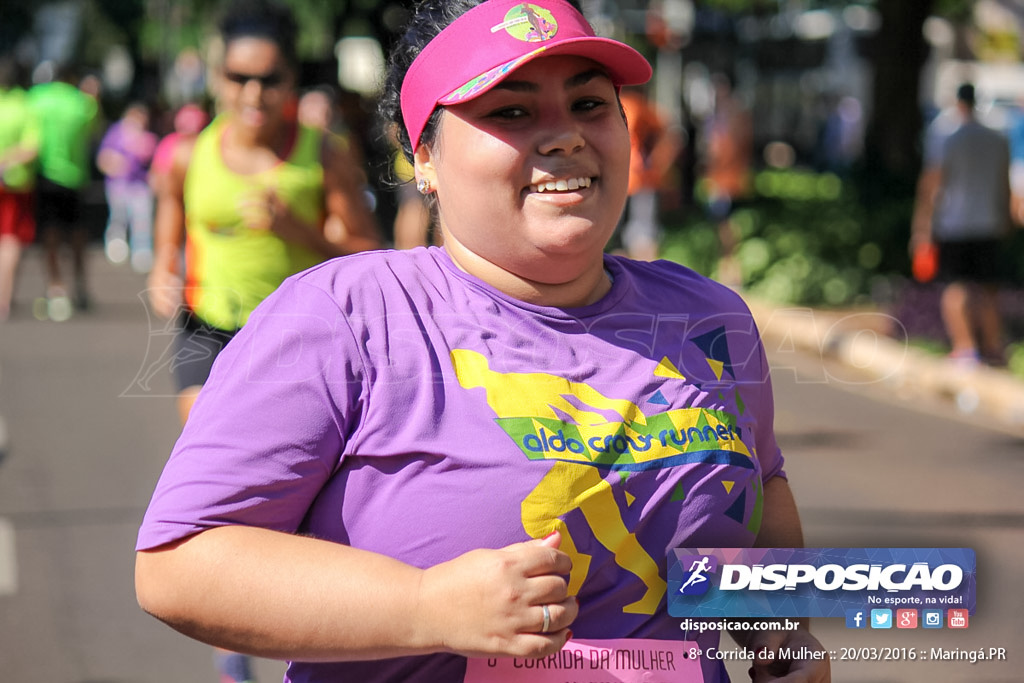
(423, 186)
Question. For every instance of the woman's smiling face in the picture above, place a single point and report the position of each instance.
(531, 176)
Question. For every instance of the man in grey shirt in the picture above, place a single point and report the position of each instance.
(963, 207)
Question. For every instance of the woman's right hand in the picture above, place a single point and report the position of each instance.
(489, 603)
(165, 290)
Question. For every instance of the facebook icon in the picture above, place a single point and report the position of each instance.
(855, 618)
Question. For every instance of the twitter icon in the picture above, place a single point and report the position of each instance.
(881, 618)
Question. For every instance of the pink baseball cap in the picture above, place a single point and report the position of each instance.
(486, 44)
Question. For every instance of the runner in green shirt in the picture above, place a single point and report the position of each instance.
(19, 145)
(67, 118)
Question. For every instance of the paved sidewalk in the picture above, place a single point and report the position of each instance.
(864, 342)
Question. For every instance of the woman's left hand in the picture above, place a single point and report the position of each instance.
(769, 667)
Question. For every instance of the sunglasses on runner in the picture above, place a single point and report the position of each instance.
(270, 80)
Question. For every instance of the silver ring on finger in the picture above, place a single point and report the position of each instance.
(547, 619)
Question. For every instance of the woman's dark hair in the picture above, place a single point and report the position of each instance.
(261, 19)
(429, 18)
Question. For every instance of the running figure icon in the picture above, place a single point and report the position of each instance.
(697, 570)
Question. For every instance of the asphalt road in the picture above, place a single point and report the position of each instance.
(90, 419)
(872, 469)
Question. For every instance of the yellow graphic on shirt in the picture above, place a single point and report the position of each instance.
(586, 433)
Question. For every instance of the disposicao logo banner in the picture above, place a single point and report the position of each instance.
(817, 582)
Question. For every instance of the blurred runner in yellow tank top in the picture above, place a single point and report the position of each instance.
(255, 198)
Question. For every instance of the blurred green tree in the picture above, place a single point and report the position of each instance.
(897, 56)
(154, 31)
(170, 25)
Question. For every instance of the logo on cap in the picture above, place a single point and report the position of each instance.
(529, 23)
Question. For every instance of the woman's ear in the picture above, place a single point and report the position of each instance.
(423, 164)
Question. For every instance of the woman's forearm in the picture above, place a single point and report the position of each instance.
(282, 596)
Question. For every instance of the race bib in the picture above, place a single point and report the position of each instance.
(623, 660)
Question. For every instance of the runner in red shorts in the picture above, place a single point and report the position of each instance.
(19, 145)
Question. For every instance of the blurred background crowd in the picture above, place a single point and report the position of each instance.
(779, 147)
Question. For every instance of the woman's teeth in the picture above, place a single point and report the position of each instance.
(561, 185)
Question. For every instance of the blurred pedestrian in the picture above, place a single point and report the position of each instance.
(185, 82)
(729, 152)
(67, 119)
(257, 196)
(1015, 133)
(840, 137)
(124, 156)
(19, 147)
(654, 147)
(318, 109)
(963, 209)
(362, 489)
(188, 121)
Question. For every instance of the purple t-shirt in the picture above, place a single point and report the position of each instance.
(392, 402)
(136, 148)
